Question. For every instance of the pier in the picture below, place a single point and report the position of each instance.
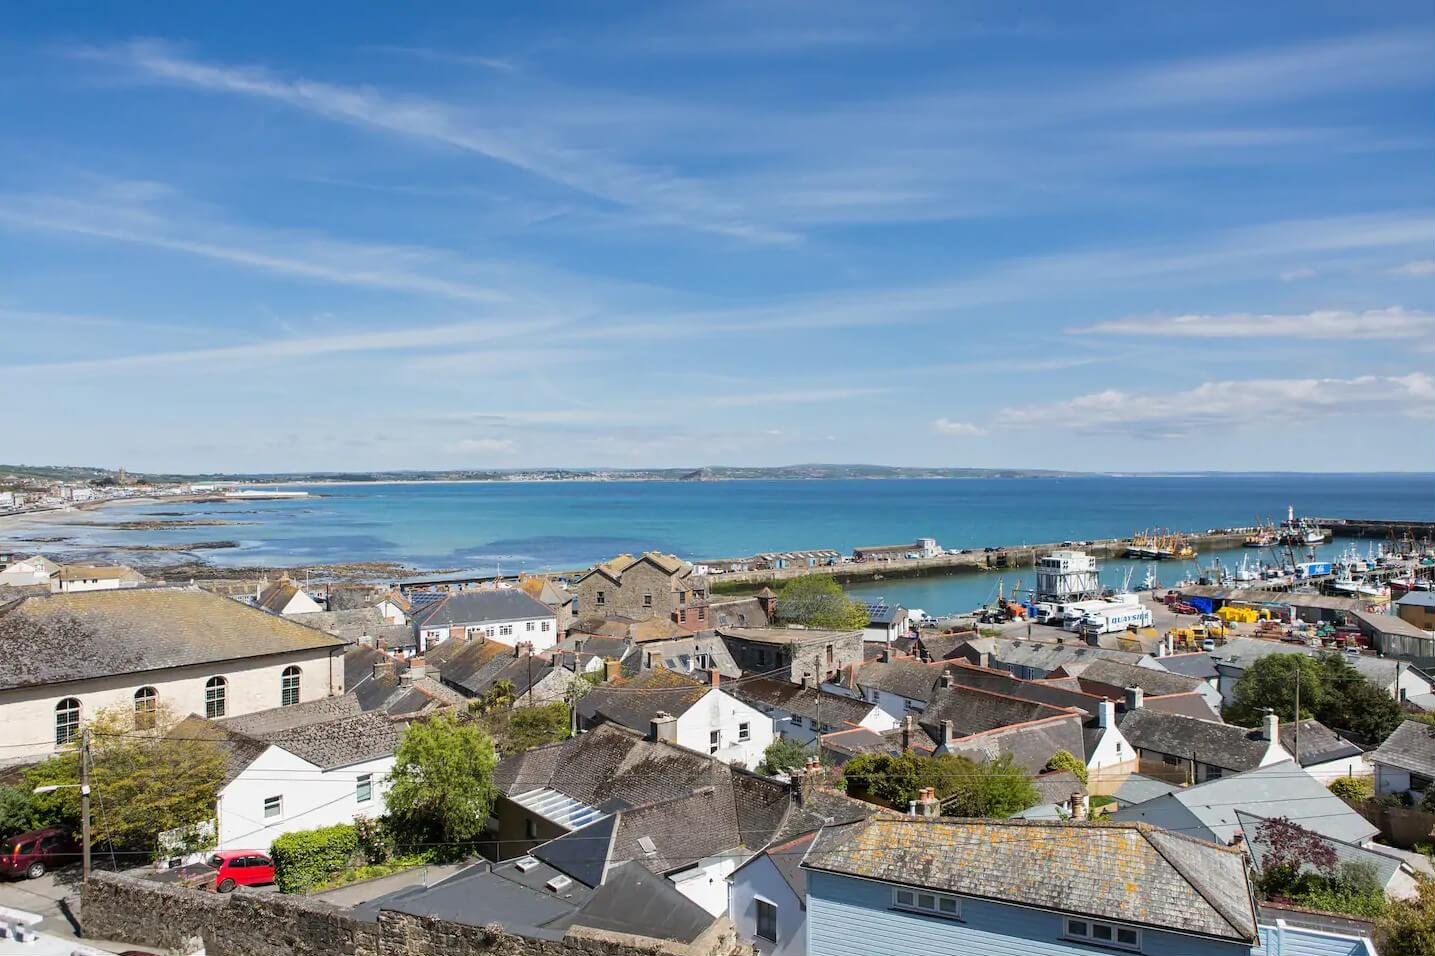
(1388, 528)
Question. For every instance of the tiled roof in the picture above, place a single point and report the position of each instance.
(1128, 873)
(785, 635)
(479, 607)
(1221, 745)
(1044, 656)
(1030, 745)
(240, 750)
(1411, 747)
(97, 572)
(276, 597)
(638, 632)
(63, 637)
(1184, 705)
(902, 676)
(972, 710)
(827, 707)
(275, 720)
(1195, 664)
(658, 690)
(1052, 691)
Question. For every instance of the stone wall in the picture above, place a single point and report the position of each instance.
(132, 910)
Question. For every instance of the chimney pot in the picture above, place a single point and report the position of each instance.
(1135, 697)
(884, 656)
(664, 727)
(1078, 806)
(949, 733)
(908, 724)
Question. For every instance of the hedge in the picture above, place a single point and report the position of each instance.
(310, 858)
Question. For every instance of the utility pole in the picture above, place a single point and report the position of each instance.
(85, 804)
(1296, 755)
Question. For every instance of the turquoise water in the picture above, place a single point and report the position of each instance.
(533, 526)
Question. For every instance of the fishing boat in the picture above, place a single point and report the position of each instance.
(1347, 582)
(1264, 536)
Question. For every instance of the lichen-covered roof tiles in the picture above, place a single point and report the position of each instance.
(1130, 873)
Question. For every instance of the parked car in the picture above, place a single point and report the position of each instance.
(240, 868)
(1208, 645)
(34, 853)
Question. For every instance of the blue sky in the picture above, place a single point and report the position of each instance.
(1104, 236)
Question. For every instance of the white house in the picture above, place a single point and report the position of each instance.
(286, 597)
(395, 608)
(885, 623)
(767, 899)
(71, 578)
(506, 615)
(301, 777)
(1405, 762)
(802, 714)
(65, 657)
(680, 710)
(28, 571)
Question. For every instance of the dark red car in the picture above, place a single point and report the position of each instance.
(241, 868)
(32, 854)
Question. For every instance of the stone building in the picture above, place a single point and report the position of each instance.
(651, 585)
(793, 653)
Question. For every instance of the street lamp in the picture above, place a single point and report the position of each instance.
(84, 787)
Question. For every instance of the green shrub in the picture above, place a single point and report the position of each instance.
(1065, 760)
(309, 858)
(1353, 789)
(1101, 800)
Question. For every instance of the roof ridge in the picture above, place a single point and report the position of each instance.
(1020, 700)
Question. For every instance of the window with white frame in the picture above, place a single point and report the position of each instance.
(505, 630)
(67, 720)
(921, 901)
(289, 687)
(744, 731)
(364, 788)
(547, 625)
(1103, 934)
(273, 808)
(530, 625)
(766, 917)
(714, 741)
(216, 697)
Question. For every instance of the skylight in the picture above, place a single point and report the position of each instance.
(525, 863)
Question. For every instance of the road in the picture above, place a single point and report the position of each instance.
(44, 896)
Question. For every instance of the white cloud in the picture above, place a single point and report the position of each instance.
(964, 429)
(1229, 405)
(1395, 322)
(1418, 268)
(1296, 275)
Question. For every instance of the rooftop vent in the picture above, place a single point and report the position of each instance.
(647, 844)
(559, 883)
(525, 863)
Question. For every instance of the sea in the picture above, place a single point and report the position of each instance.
(511, 527)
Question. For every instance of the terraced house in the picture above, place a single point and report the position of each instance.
(652, 585)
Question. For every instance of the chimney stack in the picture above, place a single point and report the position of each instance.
(578, 645)
(804, 780)
(612, 669)
(1106, 714)
(945, 680)
(664, 727)
(926, 804)
(384, 669)
(1271, 728)
(884, 656)
(714, 677)
(1078, 806)
(908, 726)
(984, 659)
(1135, 697)
(949, 733)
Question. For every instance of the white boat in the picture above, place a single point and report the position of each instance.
(1347, 582)
(1300, 531)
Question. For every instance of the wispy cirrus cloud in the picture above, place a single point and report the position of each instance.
(663, 196)
(1417, 269)
(1236, 405)
(1395, 322)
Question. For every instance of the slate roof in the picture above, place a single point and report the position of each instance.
(1030, 745)
(786, 635)
(465, 660)
(1132, 874)
(786, 858)
(1418, 599)
(973, 710)
(743, 612)
(614, 568)
(1221, 745)
(657, 690)
(1384, 860)
(637, 632)
(1120, 674)
(240, 750)
(98, 572)
(52, 638)
(941, 647)
(1196, 664)
(1411, 747)
(901, 676)
(1041, 655)
(342, 742)
(355, 623)
(1184, 705)
(684, 655)
(1055, 692)
(1275, 790)
(276, 597)
(479, 607)
(1057, 786)
(765, 693)
(1318, 743)
(885, 614)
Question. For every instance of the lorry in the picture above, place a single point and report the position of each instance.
(1114, 619)
(1076, 611)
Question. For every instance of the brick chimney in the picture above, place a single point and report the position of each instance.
(1078, 806)
(384, 669)
(805, 779)
(612, 669)
(1135, 697)
(714, 678)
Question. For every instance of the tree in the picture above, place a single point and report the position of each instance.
(1358, 706)
(1289, 850)
(530, 727)
(816, 600)
(144, 780)
(783, 756)
(997, 788)
(497, 697)
(18, 812)
(1408, 927)
(441, 788)
(1353, 789)
(1270, 683)
(1065, 760)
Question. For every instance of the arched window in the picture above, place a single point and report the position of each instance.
(216, 694)
(289, 687)
(67, 720)
(146, 708)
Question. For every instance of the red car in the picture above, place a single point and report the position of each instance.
(31, 854)
(241, 868)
